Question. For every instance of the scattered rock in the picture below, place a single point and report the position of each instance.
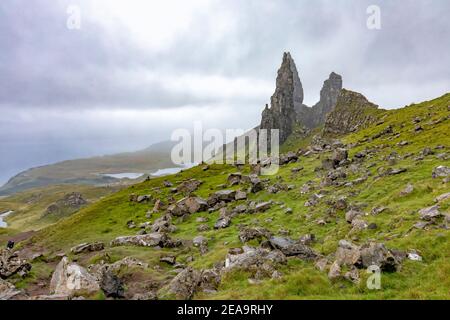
(168, 259)
(430, 213)
(352, 275)
(147, 240)
(88, 247)
(8, 290)
(234, 178)
(352, 214)
(222, 222)
(441, 171)
(185, 284)
(11, 264)
(407, 190)
(414, 256)
(167, 184)
(256, 183)
(335, 271)
(111, 285)
(188, 186)
(442, 197)
(258, 233)
(240, 195)
(290, 247)
(203, 227)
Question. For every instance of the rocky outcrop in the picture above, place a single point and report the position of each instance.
(287, 97)
(7, 290)
(190, 281)
(88, 247)
(316, 115)
(11, 264)
(290, 247)
(68, 204)
(70, 279)
(155, 239)
(352, 112)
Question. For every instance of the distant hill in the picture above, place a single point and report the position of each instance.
(91, 170)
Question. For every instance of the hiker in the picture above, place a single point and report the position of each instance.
(10, 245)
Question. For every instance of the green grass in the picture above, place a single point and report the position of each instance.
(428, 279)
(30, 206)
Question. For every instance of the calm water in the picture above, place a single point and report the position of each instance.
(166, 171)
(129, 175)
(157, 173)
(3, 224)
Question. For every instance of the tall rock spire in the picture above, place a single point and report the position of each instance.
(328, 97)
(287, 97)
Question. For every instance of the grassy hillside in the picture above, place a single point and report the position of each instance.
(426, 279)
(88, 171)
(30, 206)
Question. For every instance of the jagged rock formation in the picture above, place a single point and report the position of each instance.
(352, 112)
(287, 109)
(287, 97)
(315, 116)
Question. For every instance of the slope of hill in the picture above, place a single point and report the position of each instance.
(378, 196)
(91, 170)
(39, 207)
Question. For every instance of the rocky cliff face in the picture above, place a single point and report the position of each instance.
(287, 109)
(316, 115)
(352, 112)
(287, 97)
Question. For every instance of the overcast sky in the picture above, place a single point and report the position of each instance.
(136, 70)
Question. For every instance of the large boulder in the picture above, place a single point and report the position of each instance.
(222, 222)
(288, 158)
(441, 171)
(185, 284)
(190, 281)
(253, 258)
(195, 204)
(247, 234)
(187, 205)
(430, 213)
(88, 247)
(234, 178)
(339, 155)
(377, 254)
(163, 224)
(155, 239)
(352, 214)
(364, 256)
(225, 195)
(347, 254)
(112, 285)
(188, 186)
(70, 278)
(256, 183)
(291, 247)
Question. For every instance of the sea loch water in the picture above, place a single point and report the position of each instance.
(3, 224)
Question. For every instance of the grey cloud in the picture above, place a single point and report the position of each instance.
(45, 68)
